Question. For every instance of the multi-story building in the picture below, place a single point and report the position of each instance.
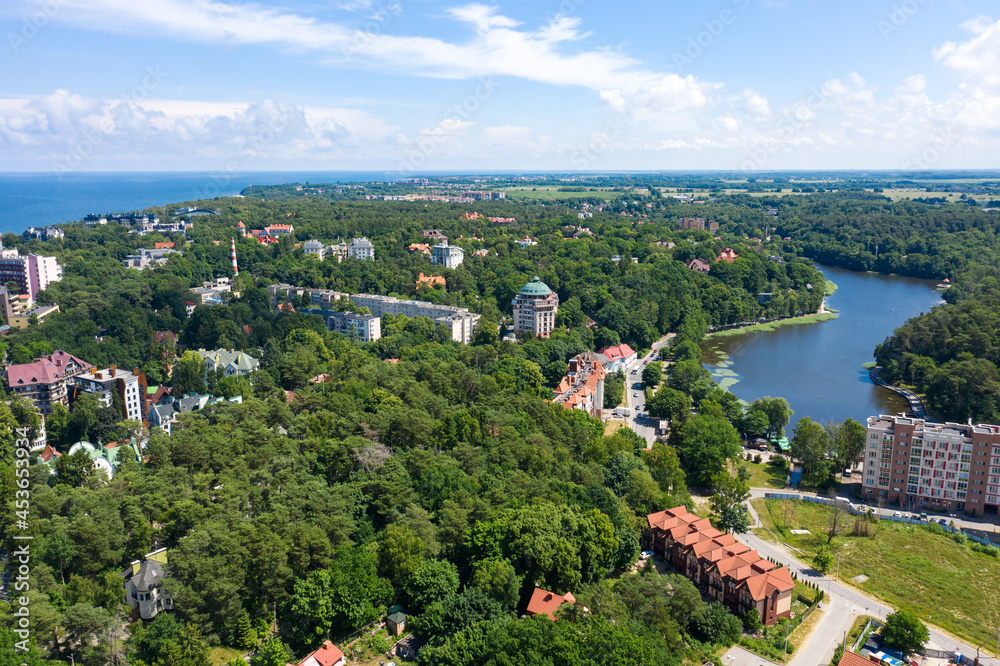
(31, 273)
(583, 385)
(104, 383)
(363, 328)
(943, 466)
(314, 248)
(144, 590)
(338, 250)
(361, 248)
(449, 256)
(535, 309)
(146, 257)
(724, 569)
(459, 322)
(619, 357)
(45, 381)
(43, 233)
(232, 363)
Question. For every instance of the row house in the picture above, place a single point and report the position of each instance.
(583, 386)
(724, 569)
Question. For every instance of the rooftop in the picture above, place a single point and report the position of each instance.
(536, 288)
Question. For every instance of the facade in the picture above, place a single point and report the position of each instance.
(144, 590)
(314, 248)
(728, 255)
(619, 358)
(430, 280)
(449, 256)
(31, 273)
(942, 466)
(104, 383)
(23, 319)
(232, 363)
(361, 248)
(45, 380)
(459, 322)
(43, 233)
(535, 309)
(147, 257)
(543, 602)
(328, 655)
(727, 571)
(583, 385)
(699, 265)
(338, 251)
(364, 328)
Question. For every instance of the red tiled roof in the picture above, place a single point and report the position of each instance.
(328, 655)
(163, 246)
(851, 659)
(622, 351)
(544, 602)
(45, 370)
(49, 453)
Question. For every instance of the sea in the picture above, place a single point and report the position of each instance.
(36, 199)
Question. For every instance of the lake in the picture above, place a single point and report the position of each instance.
(818, 367)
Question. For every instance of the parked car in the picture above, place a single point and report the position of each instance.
(897, 515)
(943, 521)
(923, 516)
(645, 554)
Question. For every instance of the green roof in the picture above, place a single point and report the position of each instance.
(536, 287)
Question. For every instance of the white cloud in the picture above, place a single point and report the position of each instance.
(727, 123)
(482, 17)
(756, 103)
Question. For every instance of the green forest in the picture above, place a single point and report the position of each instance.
(446, 480)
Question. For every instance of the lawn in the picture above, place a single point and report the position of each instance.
(763, 475)
(611, 425)
(771, 325)
(912, 567)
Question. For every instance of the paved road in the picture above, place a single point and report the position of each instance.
(844, 603)
(644, 426)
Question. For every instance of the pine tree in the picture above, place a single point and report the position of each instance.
(246, 635)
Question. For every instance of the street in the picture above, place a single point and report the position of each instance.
(635, 399)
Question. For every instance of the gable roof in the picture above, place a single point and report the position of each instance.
(622, 351)
(544, 602)
(852, 659)
(328, 655)
(766, 584)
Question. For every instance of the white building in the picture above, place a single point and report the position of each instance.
(144, 585)
(361, 248)
(459, 322)
(314, 248)
(104, 383)
(364, 328)
(449, 256)
(232, 363)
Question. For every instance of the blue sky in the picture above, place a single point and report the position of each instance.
(411, 85)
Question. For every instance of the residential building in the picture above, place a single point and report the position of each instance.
(231, 363)
(543, 602)
(361, 248)
(535, 308)
(619, 358)
(328, 655)
(699, 265)
(449, 256)
(144, 590)
(147, 257)
(943, 466)
(43, 233)
(45, 380)
(39, 312)
(459, 322)
(31, 272)
(431, 280)
(275, 230)
(728, 255)
(338, 250)
(727, 571)
(108, 458)
(583, 385)
(207, 296)
(692, 223)
(434, 234)
(105, 382)
(362, 327)
(314, 248)
(418, 247)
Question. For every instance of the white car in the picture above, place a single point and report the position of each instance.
(635, 395)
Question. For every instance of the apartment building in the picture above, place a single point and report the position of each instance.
(105, 382)
(449, 256)
(42, 233)
(727, 571)
(943, 466)
(364, 328)
(583, 385)
(459, 322)
(535, 309)
(31, 273)
(45, 380)
(361, 248)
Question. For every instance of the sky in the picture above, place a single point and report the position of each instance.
(412, 86)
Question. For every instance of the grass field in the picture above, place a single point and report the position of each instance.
(831, 288)
(909, 567)
(552, 193)
(772, 325)
(765, 476)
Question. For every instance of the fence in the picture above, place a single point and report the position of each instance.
(863, 637)
(896, 519)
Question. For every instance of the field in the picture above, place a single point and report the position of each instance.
(920, 193)
(909, 567)
(771, 325)
(552, 193)
(765, 476)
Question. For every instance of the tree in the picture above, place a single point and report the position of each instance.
(847, 439)
(717, 625)
(904, 631)
(272, 653)
(246, 635)
(497, 578)
(777, 411)
(823, 559)
(810, 446)
(189, 374)
(728, 502)
(838, 518)
(668, 403)
(433, 580)
(652, 374)
(399, 555)
(707, 443)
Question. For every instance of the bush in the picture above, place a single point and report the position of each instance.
(717, 625)
(757, 459)
(960, 539)
(778, 461)
(984, 549)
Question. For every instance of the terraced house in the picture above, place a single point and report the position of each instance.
(724, 569)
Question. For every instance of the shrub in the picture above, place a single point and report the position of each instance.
(757, 459)
(778, 461)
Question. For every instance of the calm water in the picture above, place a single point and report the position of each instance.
(37, 199)
(818, 367)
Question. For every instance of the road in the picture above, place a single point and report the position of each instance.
(643, 426)
(844, 604)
